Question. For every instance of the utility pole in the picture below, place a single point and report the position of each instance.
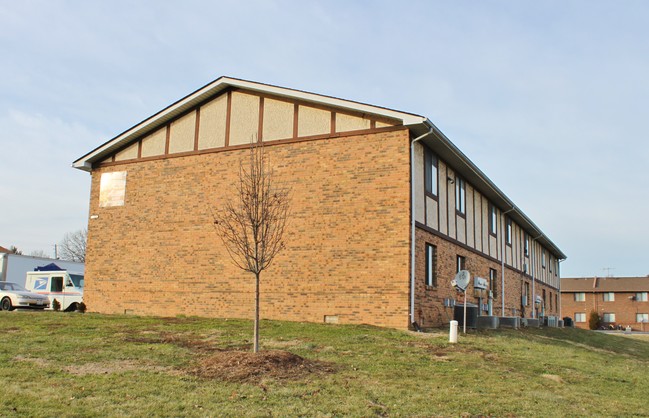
(608, 270)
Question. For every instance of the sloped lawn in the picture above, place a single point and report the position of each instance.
(56, 364)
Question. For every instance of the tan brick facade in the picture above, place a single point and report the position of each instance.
(347, 239)
(152, 248)
(429, 301)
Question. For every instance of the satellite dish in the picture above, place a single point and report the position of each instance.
(461, 280)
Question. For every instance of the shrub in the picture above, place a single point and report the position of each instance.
(81, 307)
(593, 320)
(56, 305)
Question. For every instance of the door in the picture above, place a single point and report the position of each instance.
(56, 290)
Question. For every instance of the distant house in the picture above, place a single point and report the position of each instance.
(385, 211)
(617, 300)
(4, 250)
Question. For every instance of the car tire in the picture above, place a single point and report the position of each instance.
(5, 305)
(73, 307)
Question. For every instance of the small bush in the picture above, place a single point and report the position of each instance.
(56, 305)
(81, 307)
(593, 320)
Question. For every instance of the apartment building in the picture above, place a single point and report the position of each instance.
(385, 211)
(618, 301)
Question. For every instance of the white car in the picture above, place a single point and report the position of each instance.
(14, 296)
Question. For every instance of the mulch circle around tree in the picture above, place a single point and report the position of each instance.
(246, 366)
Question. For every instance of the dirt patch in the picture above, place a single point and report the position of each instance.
(243, 366)
(178, 340)
(553, 377)
(109, 367)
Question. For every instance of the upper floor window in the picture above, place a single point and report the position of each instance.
(526, 245)
(431, 172)
(461, 263)
(543, 258)
(580, 297)
(508, 231)
(431, 265)
(493, 220)
(460, 195)
(641, 296)
(609, 297)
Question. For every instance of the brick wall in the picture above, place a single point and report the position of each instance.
(347, 239)
(624, 308)
(429, 301)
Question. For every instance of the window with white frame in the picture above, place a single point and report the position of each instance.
(431, 172)
(493, 220)
(609, 317)
(580, 316)
(526, 245)
(641, 296)
(493, 282)
(431, 265)
(508, 231)
(461, 263)
(460, 195)
(543, 258)
(641, 317)
(580, 297)
(609, 297)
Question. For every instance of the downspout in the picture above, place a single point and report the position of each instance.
(412, 222)
(502, 256)
(559, 261)
(534, 278)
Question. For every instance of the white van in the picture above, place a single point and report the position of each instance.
(67, 288)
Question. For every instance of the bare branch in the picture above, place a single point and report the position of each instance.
(73, 246)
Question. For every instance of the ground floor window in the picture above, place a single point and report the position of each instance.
(431, 265)
(493, 282)
(641, 317)
(580, 317)
(461, 263)
(609, 317)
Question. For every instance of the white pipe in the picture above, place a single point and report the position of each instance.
(412, 221)
(533, 278)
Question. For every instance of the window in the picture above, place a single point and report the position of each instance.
(641, 296)
(431, 265)
(508, 232)
(580, 297)
(460, 195)
(543, 258)
(609, 297)
(493, 282)
(556, 301)
(526, 245)
(551, 262)
(431, 172)
(641, 317)
(493, 221)
(527, 294)
(56, 284)
(550, 300)
(609, 317)
(580, 317)
(556, 269)
(461, 263)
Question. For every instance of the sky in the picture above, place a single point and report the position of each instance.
(549, 99)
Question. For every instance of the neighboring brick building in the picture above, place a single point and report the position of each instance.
(617, 300)
(152, 248)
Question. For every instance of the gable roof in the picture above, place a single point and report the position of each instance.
(605, 284)
(417, 124)
(4, 250)
(220, 85)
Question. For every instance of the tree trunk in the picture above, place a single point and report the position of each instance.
(255, 347)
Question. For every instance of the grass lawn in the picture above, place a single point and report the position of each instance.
(56, 364)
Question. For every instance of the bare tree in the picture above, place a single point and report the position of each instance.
(39, 253)
(14, 250)
(251, 224)
(73, 246)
